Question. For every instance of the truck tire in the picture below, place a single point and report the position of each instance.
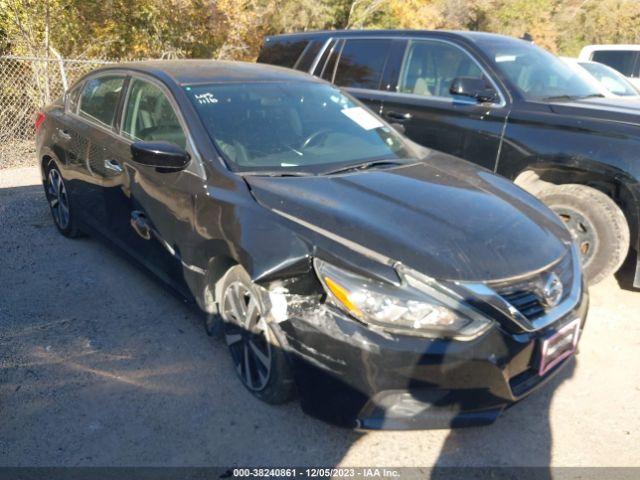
(597, 225)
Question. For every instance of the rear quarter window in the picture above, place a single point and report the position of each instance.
(284, 53)
(73, 98)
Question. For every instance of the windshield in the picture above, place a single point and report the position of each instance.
(612, 80)
(536, 73)
(293, 127)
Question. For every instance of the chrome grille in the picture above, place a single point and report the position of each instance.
(527, 295)
(527, 302)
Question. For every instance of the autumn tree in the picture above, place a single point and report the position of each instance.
(234, 29)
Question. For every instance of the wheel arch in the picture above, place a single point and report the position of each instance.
(45, 156)
(615, 183)
(217, 267)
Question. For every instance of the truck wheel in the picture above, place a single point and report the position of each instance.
(255, 350)
(597, 225)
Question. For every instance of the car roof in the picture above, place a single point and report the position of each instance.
(610, 46)
(471, 36)
(193, 72)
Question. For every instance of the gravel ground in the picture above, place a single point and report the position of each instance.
(18, 153)
(101, 365)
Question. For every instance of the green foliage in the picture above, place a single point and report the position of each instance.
(235, 28)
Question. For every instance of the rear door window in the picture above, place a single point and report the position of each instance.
(621, 60)
(100, 97)
(362, 62)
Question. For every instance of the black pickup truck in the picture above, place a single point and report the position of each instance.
(505, 104)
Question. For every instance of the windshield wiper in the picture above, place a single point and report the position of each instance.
(275, 173)
(591, 95)
(559, 97)
(365, 166)
(572, 97)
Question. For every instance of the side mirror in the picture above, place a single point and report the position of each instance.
(473, 87)
(165, 156)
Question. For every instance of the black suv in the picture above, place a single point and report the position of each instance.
(505, 104)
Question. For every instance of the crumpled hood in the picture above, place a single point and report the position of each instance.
(614, 109)
(445, 218)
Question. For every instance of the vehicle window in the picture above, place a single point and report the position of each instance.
(611, 79)
(284, 53)
(308, 56)
(323, 58)
(621, 60)
(361, 63)
(149, 115)
(536, 73)
(284, 126)
(73, 98)
(329, 68)
(430, 68)
(100, 97)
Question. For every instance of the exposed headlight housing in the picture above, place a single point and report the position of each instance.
(415, 307)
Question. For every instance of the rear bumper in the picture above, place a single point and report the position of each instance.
(352, 376)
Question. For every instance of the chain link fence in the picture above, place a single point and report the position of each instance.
(26, 85)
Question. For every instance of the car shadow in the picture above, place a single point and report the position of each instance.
(520, 439)
(103, 365)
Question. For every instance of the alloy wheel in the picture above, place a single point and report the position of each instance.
(58, 199)
(247, 335)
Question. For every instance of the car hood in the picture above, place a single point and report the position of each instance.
(445, 218)
(617, 109)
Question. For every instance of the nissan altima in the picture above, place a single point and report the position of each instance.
(386, 284)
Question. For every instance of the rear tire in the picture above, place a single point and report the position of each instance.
(257, 354)
(59, 201)
(596, 223)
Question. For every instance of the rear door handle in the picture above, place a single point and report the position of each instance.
(113, 166)
(64, 134)
(399, 116)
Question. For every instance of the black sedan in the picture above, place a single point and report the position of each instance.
(389, 285)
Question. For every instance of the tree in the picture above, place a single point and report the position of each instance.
(536, 17)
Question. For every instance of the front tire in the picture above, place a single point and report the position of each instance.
(258, 357)
(59, 201)
(596, 223)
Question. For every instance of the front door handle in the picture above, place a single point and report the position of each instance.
(113, 166)
(399, 116)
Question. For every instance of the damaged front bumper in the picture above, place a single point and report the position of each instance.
(354, 376)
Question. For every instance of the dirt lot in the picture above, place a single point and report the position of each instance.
(101, 365)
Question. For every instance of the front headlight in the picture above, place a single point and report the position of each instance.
(414, 307)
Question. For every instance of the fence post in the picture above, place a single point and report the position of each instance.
(63, 74)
